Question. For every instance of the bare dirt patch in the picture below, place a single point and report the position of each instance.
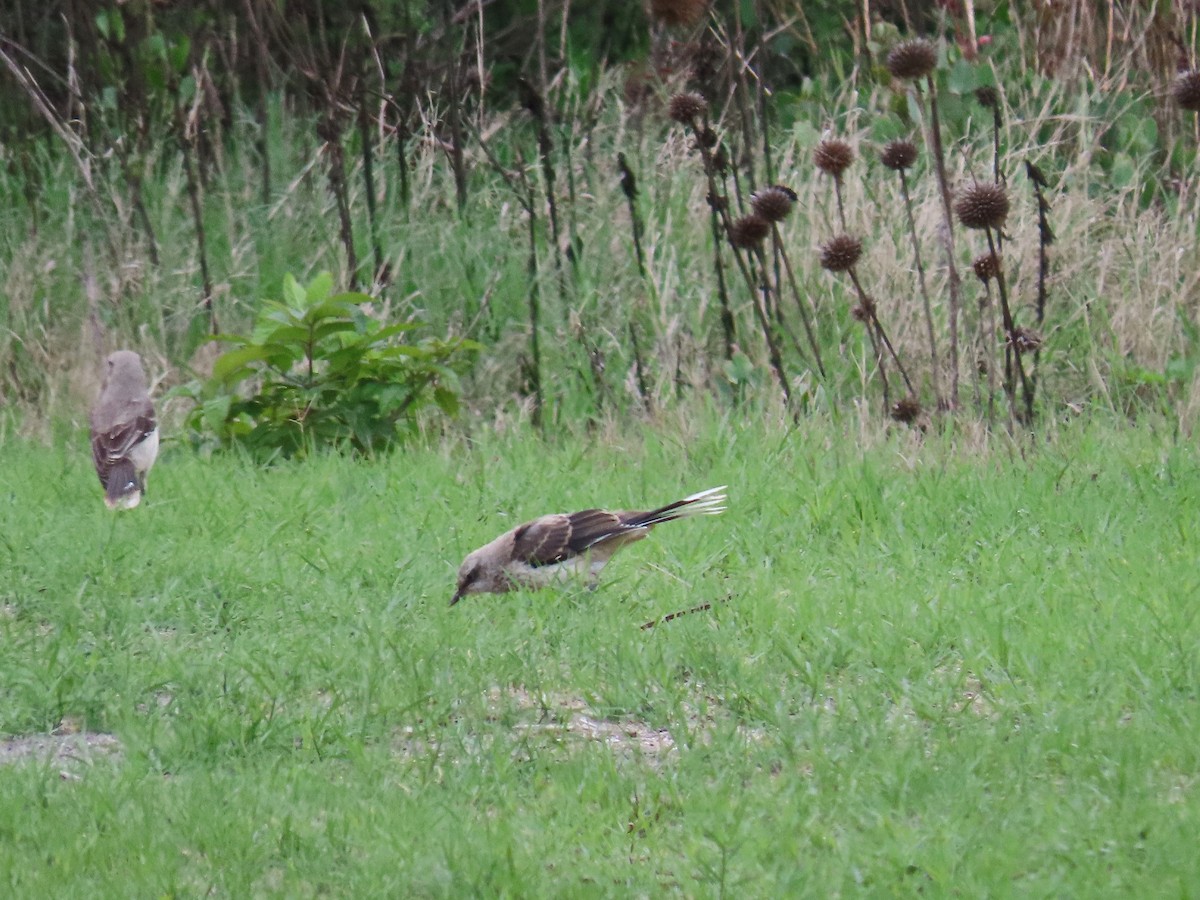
(69, 752)
(567, 721)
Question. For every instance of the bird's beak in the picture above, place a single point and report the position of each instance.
(458, 595)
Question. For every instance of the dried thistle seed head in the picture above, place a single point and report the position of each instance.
(912, 59)
(840, 253)
(687, 107)
(773, 203)
(898, 155)
(986, 267)
(678, 12)
(749, 231)
(906, 410)
(833, 156)
(1026, 340)
(982, 206)
(1186, 90)
(987, 96)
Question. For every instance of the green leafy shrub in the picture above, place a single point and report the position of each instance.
(319, 371)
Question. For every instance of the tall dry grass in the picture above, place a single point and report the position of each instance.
(1121, 294)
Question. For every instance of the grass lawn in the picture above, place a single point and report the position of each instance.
(928, 669)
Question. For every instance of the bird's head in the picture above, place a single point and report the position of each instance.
(470, 578)
(124, 368)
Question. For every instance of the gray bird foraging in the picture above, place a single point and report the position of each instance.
(558, 547)
(124, 431)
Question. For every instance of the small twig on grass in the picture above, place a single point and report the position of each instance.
(682, 612)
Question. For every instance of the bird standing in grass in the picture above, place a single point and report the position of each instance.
(561, 546)
(124, 431)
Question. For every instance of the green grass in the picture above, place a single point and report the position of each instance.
(940, 669)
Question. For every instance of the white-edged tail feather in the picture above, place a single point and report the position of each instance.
(704, 503)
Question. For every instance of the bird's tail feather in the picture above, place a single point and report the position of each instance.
(704, 503)
(123, 489)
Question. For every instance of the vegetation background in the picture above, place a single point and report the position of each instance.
(166, 167)
(466, 262)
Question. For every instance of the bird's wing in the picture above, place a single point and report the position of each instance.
(552, 539)
(113, 444)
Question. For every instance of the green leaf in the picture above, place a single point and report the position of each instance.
(326, 329)
(293, 294)
(328, 309)
(446, 399)
(178, 54)
(230, 362)
(111, 25)
(216, 413)
(364, 390)
(408, 350)
(1180, 368)
(155, 46)
(318, 289)
(963, 77)
(1123, 171)
(392, 330)
(229, 338)
(293, 336)
(353, 298)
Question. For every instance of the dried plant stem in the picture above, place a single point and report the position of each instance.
(727, 324)
(868, 320)
(934, 363)
(535, 351)
(953, 283)
(989, 330)
(574, 242)
(837, 191)
(805, 319)
(185, 132)
(717, 202)
(454, 109)
(629, 189)
(1013, 346)
(262, 119)
(879, 360)
(873, 313)
(403, 133)
(760, 310)
(996, 142)
(743, 96)
(762, 91)
(329, 130)
(137, 197)
(1045, 239)
(523, 189)
(366, 139)
(532, 99)
(72, 141)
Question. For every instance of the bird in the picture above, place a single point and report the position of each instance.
(557, 547)
(124, 431)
